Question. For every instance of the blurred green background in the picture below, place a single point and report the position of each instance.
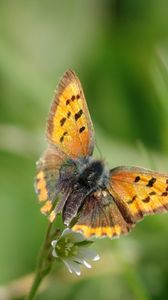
(119, 49)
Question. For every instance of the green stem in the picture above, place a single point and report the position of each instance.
(43, 264)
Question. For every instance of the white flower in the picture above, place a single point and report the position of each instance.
(72, 249)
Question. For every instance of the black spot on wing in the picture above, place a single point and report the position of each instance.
(78, 114)
(62, 137)
(81, 129)
(62, 121)
(151, 182)
(132, 200)
(146, 200)
(137, 178)
(67, 101)
(68, 114)
(152, 193)
(164, 194)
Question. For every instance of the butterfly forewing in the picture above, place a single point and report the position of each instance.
(138, 191)
(69, 126)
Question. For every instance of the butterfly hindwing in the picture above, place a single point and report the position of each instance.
(69, 126)
(46, 183)
(139, 192)
(100, 217)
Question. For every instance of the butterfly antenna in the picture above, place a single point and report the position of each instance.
(98, 149)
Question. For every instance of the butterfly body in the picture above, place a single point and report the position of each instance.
(78, 179)
(96, 201)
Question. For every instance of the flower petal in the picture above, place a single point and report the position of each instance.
(72, 266)
(53, 243)
(67, 265)
(54, 253)
(73, 236)
(84, 252)
(82, 261)
(66, 231)
(86, 264)
(96, 258)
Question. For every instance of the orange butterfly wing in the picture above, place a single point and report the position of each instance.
(138, 192)
(70, 135)
(69, 126)
(100, 217)
(46, 183)
(134, 193)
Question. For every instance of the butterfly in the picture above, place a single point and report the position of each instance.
(93, 200)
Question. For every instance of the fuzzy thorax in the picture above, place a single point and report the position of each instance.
(77, 180)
